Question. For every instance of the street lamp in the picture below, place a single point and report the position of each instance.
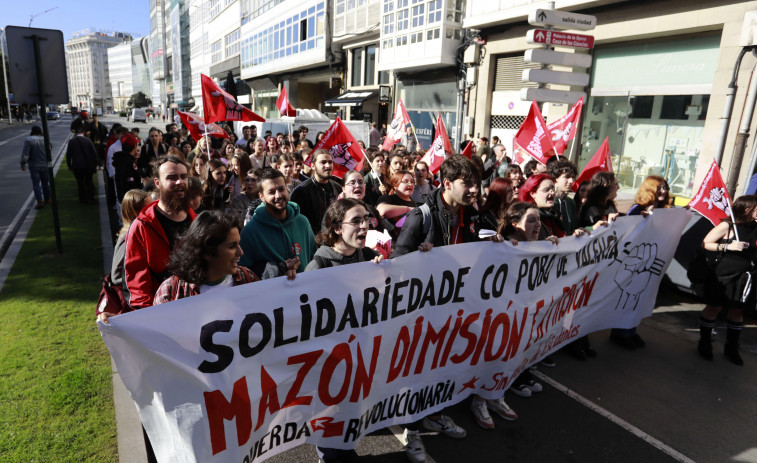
(5, 77)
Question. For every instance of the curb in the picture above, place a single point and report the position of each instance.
(131, 443)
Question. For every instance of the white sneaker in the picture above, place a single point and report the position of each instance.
(520, 390)
(478, 407)
(502, 409)
(444, 425)
(414, 449)
(534, 386)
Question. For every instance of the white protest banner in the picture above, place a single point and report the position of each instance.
(248, 372)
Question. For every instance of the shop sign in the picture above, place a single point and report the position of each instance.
(560, 39)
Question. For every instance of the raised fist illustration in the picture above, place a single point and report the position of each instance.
(636, 268)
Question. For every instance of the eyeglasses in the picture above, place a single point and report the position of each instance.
(359, 221)
(408, 182)
(355, 183)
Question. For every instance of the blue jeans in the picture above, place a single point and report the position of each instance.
(40, 182)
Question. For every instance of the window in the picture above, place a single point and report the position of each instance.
(402, 19)
(370, 65)
(674, 106)
(357, 67)
(383, 77)
(401, 40)
(389, 23)
(418, 15)
(432, 34)
(386, 44)
(215, 52)
(388, 6)
(339, 6)
(434, 11)
(641, 107)
(231, 43)
(416, 37)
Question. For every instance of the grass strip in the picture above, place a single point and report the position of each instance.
(56, 394)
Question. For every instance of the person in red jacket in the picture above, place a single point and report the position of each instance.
(152, 236)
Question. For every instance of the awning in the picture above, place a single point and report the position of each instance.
(352, 98)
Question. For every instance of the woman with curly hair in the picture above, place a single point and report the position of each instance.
(200, 167)
(206, 258)
(272, 146)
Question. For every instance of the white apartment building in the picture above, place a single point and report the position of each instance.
(287, 43)
(121, 78)
(88, 71)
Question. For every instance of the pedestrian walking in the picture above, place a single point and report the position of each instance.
(34, 157)
(81, 158)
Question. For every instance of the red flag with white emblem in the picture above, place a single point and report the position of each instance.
(440, 148)
(397, 127)
(601, 162)
(217, 105)
(533, 137)
(712, 199)
(282, 103)
(197, 126)
(563, 130)
(347, 153)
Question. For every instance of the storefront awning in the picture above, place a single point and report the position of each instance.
(352, 98)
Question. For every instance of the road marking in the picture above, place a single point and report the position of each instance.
(615, 419)
(13, 138)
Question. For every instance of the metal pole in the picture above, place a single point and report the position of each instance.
(41, 89)
(726, 117)
(743, 136)
(5, 81)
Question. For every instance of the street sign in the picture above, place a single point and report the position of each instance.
(541, 56)
(546, 76)
(551, 96)
(562, 19)
(560, 39)
(23, 71)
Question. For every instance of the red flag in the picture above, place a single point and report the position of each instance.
(468, 151)
(218, 105)
(532, 136)
(601, 162)
(563, 130)
(396, 129)
(712, 199)
(440, 148)
(347, 153)
(196, 126)
(282, 103)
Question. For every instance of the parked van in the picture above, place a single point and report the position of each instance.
(139, 115)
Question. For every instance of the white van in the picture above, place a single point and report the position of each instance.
(139, 115)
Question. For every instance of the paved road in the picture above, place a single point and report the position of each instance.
(659, 404)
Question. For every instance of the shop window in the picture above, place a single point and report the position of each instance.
(705, 105)
(642, 107)
(674, 107)
(370, 65)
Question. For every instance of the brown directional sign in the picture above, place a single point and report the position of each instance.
(559, 38)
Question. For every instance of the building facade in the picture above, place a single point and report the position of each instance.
(89, 83)
(658, 86)
(129, 71)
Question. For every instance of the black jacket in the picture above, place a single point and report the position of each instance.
(440, 230)
(127, 174)
(149, 154)
(81, 154)
(314, 199)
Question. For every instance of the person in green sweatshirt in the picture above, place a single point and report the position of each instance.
(278, 239)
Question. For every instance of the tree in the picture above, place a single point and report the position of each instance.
(139, 100)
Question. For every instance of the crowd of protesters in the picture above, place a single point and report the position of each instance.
(197, 216)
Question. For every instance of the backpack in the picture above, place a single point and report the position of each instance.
(111, 298)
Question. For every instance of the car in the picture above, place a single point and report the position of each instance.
(139, 115)
(53, 115)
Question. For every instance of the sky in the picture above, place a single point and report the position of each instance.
(75, 15)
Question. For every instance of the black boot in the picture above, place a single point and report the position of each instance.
(705, 338)
(732, 342)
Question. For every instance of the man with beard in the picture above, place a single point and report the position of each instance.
(278, 239)
(316, 194)
(153, 234)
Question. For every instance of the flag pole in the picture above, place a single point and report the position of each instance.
(733, 219)
(205, 136)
